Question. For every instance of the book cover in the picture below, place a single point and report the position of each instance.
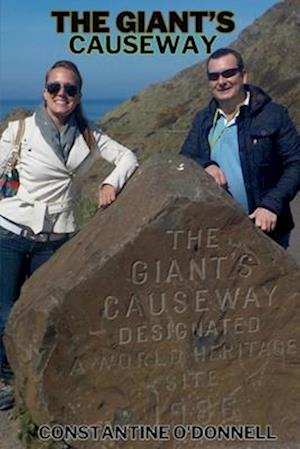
(144, 78)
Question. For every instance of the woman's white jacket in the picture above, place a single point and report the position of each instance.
(48, 185)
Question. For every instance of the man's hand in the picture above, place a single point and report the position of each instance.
(217, 174)
(107, 195)
(264, 219)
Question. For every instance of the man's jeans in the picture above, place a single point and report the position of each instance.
(19, 258)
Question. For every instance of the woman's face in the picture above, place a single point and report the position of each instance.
(61, 94)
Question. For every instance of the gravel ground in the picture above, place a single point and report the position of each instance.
(9, 431)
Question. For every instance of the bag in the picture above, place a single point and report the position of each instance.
(9, 179)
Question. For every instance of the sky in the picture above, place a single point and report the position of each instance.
(29, 44)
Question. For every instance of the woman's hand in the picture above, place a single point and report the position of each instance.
(107, 195)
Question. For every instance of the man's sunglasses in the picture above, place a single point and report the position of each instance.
(214, 76)
(70, 89)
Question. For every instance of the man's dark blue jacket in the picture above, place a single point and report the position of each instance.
(269, 148)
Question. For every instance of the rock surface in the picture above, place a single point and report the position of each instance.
(169, 308)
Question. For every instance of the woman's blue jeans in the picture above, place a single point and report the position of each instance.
(19, 258)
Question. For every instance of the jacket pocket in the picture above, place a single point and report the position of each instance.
(262, 141)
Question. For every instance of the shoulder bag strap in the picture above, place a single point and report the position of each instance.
(20, 133)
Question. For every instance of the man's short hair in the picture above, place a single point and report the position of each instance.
(224, 52)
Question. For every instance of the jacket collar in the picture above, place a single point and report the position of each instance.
(77, 154)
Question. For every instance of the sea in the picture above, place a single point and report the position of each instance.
(93, 109)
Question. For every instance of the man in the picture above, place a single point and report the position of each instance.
(248, 144)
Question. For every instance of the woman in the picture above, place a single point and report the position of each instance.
(57, 148)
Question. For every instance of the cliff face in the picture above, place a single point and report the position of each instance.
(159, 116)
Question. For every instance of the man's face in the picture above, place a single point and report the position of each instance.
(226, 89)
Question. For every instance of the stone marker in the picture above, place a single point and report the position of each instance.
(169, 311)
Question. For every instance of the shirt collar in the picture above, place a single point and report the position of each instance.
(219, 111)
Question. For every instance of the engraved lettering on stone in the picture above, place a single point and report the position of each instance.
(192, 379)
(110, 310)
(157, 304)
(189, 239)
(175, 237)
(174, 273)
(199, 299)
(139, 272)
(180, 299)
(270, 294)
(134, 308)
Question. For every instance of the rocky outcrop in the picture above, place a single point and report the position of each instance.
(169, 308)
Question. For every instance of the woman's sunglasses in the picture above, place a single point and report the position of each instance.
(70, 89)
(214, 76)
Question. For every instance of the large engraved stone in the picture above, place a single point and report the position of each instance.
(169, 309)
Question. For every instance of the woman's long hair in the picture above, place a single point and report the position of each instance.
(80, 118)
